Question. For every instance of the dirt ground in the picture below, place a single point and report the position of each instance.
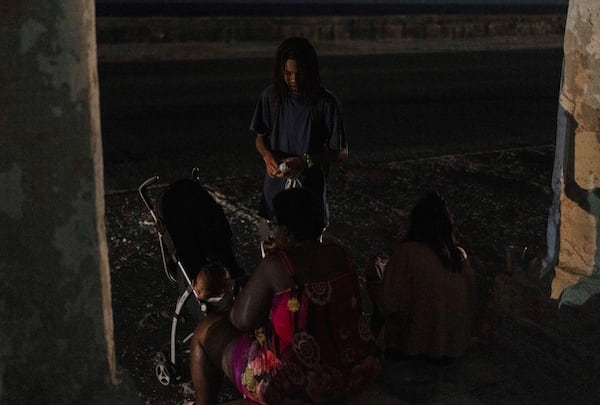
(499, 198)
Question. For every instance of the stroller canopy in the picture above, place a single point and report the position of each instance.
(196, 228)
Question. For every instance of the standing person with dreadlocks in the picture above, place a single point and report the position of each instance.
(298, 126)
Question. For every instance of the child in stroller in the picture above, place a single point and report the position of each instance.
(211, 282)
(197, 254)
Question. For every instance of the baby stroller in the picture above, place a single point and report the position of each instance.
(193, 232)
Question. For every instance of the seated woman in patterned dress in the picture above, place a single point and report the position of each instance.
(296, 330)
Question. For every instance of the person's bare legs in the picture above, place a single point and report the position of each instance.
(208, 345)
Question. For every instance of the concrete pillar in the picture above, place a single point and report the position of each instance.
(576, 213)
(56, 327)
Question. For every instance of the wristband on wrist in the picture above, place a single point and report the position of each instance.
(308, 160)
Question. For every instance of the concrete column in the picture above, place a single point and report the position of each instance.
(56, 327)
(576, 179)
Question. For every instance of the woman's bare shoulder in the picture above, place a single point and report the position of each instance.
(272, 264)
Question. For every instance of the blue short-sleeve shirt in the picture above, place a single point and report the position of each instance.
(296, 128)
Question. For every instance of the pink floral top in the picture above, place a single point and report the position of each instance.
(316, 347)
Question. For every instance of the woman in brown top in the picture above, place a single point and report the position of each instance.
(426, 297)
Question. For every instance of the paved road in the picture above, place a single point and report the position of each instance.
(173, 114)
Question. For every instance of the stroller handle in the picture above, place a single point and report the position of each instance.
(143, 191)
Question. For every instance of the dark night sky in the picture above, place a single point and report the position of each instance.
(366, 2)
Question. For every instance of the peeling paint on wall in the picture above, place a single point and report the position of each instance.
(593, 47)
(31, 32)
(57, 111)
(11, 198)
(73, 239)
(56, 280)
(57, 54)
(578, 149)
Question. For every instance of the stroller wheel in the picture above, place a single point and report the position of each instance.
(165, 371)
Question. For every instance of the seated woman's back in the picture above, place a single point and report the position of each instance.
(430, 305)
(302, 306)
(317, 324)
(428, 286)
(316, 262)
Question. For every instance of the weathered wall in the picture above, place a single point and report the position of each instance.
(227, 29)
(135, 38)
(56, 338)
(576, 213)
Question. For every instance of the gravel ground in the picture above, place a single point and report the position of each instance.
(498, 198)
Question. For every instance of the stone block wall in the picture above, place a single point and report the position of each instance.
(324, 28)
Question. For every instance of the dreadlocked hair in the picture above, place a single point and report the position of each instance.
(301, 50)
